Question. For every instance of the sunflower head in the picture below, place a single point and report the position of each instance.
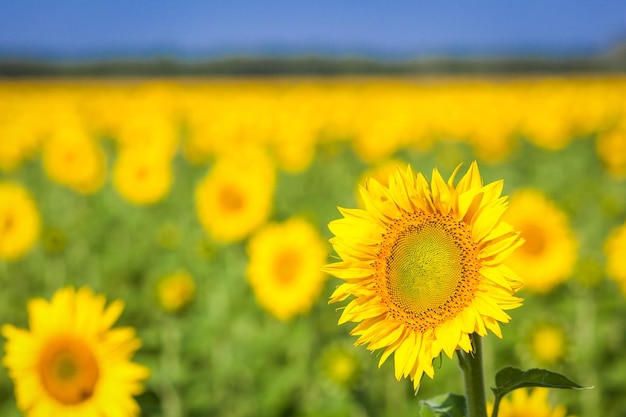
(549, 254)
(285, 267)
(73, 158)
(548, 343)
(143, 176)
(422, 264)
(614, 248)
(236, 195)
(20, 221)
(71, 362)
(175, 291)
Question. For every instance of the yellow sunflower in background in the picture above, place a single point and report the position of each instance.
(611, 148)
(340, 364)
(548, 256)
(548, 343)
(424, 265)
(19, 221)
(285, 267)
(175, 291)
(142, 175)
(615, 248)
(236, 196)
(528, 403)
(71, 363)
(72, 158)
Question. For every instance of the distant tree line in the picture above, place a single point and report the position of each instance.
(313, 66)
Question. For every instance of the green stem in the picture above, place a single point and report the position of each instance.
(472, 366)
(496, 405)
(170, 365)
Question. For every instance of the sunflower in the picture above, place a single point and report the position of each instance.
(142, 175)
(340, 365)
(285, 267)
(19, 221)
(72, 158)
(424, 265)
(71, 363)
(236, 196)
(175, 291)
(615, 248)
(548, 343)
(611, 148)
(528, 403)
(548, 256)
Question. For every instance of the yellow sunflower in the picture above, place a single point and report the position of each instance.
(142, 175)
(71, 363)
(528, 403)
(72, 158)
(285, 267)
(548, 343)
(175, 291)
(340, 364)
(424, 265)
(19, 221)
(615, 248)
(548, 256)
(236, 196)
(611, 148)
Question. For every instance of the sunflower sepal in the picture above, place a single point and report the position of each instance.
(511, 378)
(444, 405)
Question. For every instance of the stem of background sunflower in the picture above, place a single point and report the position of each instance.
(472, 366)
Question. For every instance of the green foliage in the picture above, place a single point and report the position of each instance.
(445, 405)
(510, 378)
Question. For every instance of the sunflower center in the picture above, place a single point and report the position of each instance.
(424, 269)
(8, 223)
(427, 269)
(286, 266)
(230, 199)
(69, 157)
(68, 370)
(535, 239)
(141, 173)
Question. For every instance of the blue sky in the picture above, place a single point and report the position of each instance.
(92, 28)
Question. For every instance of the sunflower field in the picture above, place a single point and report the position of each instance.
(164, 244)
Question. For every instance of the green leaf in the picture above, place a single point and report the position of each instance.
(509, 379)
(445, 405)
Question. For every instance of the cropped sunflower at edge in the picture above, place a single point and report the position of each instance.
(71, 362)
(423, 265)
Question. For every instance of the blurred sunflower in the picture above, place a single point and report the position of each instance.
(236, 196)
(175, 291)
(72, 158)
(528, 403)
(71, 363)
(548, 256)
(19, 221)
(18, 140)
(285, 267)
(142, 175)
(615, 248)
(424, 265)
(611, 147)
(547, 343)
(340, 365)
